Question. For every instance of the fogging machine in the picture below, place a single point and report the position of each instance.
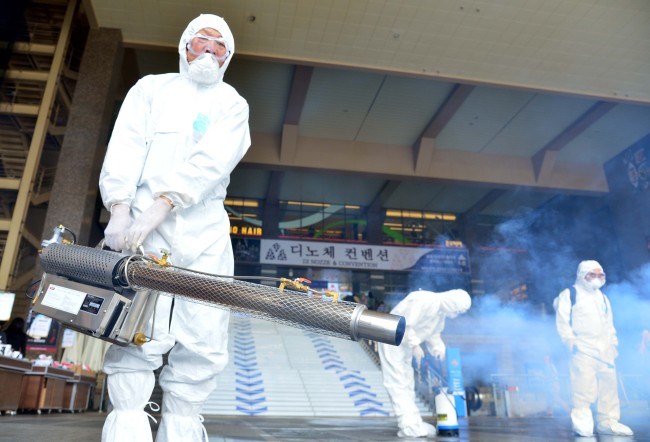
(112, 296)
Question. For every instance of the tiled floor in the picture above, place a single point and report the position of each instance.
(87, 426)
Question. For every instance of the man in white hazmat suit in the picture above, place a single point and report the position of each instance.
(175, 142)
(587, 329)
(425, 313)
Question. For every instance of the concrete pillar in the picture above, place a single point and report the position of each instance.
(629, 201)
(468, 234)
(377, 286)
(271, 213)
(271, 220)
(74, 193)
(374, 232)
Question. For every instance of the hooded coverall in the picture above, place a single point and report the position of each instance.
(587, 329)
(181, 139)
(425, 313)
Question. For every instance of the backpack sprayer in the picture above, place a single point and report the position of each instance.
(447, 417)
(112, 296)
(445, 407)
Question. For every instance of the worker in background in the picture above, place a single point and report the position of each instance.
(551, 379)
(644, 348)
(15, 335)
(425, 313)
(587, 329)
(644, 365)
(360, 298)
(176, 140)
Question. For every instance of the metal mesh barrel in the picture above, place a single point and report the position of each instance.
(112, 270)
(293, 308)
(83, 264)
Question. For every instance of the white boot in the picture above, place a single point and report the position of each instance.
(583, 421)
(129, 394)
(180, 421)
(615, 428)
(415, 427)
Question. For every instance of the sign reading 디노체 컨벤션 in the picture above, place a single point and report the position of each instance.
(363, 256)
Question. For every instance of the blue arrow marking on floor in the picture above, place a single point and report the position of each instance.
(251, 412)
(239, 325)
(242, 329)
(329, 367)
(358, 392)
(322, 343)
(326, 353)
(318, 338)
(356, 384)
(250, 375)
(354, 376)
(250, 401)
(242, 338)
(245, 357)
(250, 384)
(247, 374)
(331, 360)
(367, 401)
(368, 411)
(246, 365)
(246, 352)
(249, 392)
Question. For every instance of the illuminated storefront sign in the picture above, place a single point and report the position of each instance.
(245, 230)
(363, 256)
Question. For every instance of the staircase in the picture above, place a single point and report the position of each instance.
(38, 64)
(276, 370)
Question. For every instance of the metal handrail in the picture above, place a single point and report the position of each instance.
(428, 380)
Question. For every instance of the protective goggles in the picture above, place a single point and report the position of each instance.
(592, 275)
(201, 44)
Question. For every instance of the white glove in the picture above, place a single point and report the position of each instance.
(147, 223)
(418, 354)
(118, 225)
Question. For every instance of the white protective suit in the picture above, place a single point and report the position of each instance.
(587, 329)
(425, 313)
(177, 138)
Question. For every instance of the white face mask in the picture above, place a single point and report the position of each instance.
(596, 283)
(204, 69)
